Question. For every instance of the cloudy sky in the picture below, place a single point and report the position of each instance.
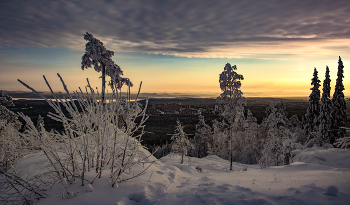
(177, 46)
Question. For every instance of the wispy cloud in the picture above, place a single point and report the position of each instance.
(184, 28)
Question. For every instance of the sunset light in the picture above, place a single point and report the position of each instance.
(175, 48)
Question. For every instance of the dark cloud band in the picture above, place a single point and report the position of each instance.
(170, 26)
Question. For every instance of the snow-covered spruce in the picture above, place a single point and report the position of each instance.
(339, 115)
(202, 138)
(273, 153)
(313, 110)
(325, 117)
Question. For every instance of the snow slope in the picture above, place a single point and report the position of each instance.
(209, 181)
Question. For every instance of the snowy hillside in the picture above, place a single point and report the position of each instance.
(209, 181)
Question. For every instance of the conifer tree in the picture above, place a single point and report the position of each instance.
(202, 137)
(313, 111)
(325, 110)
(218, 143)
(339, 105)
(231, 99)
(275, 134)
(181, 144)
(230, 103)
(98, 56)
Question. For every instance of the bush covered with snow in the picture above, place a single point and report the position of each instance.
(97, 137)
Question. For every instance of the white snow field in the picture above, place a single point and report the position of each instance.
(317, 176)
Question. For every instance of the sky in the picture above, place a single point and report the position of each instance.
(177, 47)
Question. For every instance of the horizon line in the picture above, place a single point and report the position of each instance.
(30, 94)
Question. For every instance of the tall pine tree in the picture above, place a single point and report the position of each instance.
(313, 111)
(325, 111)
(339, 105)
(231, 103)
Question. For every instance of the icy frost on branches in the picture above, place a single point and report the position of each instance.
(11, 144)
(273, 151)
(181, 144)
(96, 135)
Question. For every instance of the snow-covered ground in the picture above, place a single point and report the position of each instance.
(317, 176)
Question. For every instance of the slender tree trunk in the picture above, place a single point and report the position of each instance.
(182, 157)
(103, 82)
(231, 154)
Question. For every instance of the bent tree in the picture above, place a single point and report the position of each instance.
(98, 56)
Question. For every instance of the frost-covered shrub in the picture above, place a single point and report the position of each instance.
(12, 146)
(96, 136)
(343, 142)
(18, 190)
(161, 151)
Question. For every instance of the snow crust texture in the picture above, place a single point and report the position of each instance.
(315, 177)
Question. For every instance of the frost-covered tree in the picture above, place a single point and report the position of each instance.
(313, 111)
(339, 105)
(251, 143)
(181, 143)
(231, 99)
(98, 56)
(325, 109)
(202, 137)
(275, 133)
(218, 144)
(231, 103)
(5, 100)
